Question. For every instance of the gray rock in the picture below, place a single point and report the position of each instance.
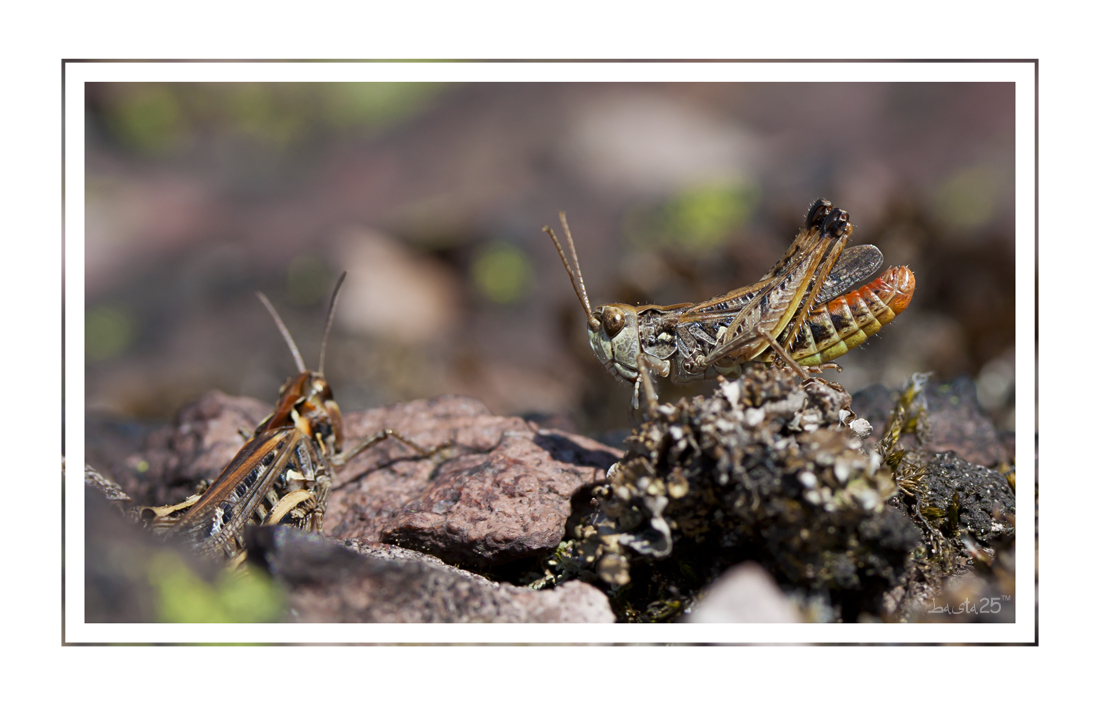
(349, 582)
(745, 593)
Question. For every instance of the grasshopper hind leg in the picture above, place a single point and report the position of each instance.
(802, 371)
(316, 519)
(783, 354)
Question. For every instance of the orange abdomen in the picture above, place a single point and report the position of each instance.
(844, 323)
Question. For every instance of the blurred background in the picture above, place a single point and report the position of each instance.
(433, 196)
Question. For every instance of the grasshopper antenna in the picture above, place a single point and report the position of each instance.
(328, 323)
(282, 328)
(574, 271)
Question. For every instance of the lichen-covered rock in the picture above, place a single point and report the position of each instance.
(765, 468)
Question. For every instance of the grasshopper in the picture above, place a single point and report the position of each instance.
(796, 312)
(282, 475)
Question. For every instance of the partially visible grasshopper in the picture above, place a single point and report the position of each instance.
(282, 475)
(796, 311)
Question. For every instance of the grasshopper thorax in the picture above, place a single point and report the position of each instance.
(306, 402)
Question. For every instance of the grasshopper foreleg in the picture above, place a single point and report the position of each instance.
(643, 384)
(371, 440)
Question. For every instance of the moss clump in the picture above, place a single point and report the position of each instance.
(965, 511)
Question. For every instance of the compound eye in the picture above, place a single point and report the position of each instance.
(817, 213)
(613, 321)
(321, 388)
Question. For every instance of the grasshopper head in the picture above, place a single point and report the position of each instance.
(306, 399)
(612, 329)
(320, 409)
(613, 334)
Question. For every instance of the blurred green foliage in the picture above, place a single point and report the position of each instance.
(108, 331)
(967, 200)
(148, 118)
(157, 119)
(235, 597)
(376, 105)
(695, 221)
(502, 273)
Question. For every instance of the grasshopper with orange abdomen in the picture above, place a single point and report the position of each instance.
(798, 311)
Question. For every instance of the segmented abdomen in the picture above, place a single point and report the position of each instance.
(844, 323)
